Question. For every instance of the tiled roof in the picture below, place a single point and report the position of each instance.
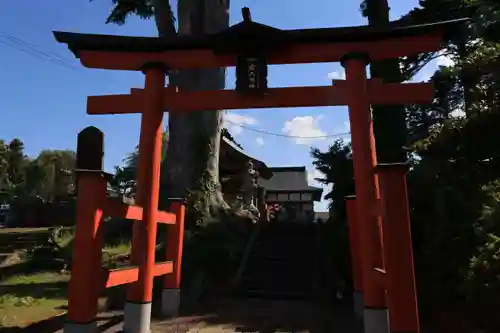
(322, 215)
(288, 179)
(247, 33)
(258, 164)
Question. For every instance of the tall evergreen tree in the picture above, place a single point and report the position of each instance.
(389, 123)
(336, 168)
(194, 144)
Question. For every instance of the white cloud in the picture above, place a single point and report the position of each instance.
(345, 128)
(260, 141)
(305, 128)
(444, 60)
(337, 75)
(426, 73)
(457, 113)
(311, 174)
(232, 122)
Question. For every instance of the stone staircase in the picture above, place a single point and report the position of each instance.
(281, 264)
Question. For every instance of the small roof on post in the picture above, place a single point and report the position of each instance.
(212, 50)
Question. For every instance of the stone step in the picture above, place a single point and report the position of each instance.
(286, 232)
(289, 273)
(279, 267)
(300, 237)
(281, 263)
(293, 243)
(280, 255)
(275, 293)
(291, 283)
(272, 295)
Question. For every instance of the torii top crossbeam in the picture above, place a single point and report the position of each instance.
(280, 46)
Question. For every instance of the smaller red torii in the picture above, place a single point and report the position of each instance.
(88, 278)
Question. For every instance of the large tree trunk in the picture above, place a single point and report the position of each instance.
(389, 121)
(192, 162)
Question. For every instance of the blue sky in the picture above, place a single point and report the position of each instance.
(43, 103)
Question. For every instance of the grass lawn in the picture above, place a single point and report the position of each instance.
(22, 230)
(27, 299)
(27, 231)
(115, 250)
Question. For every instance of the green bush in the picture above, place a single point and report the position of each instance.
(482, 278)
(212, 253)
(53, 253)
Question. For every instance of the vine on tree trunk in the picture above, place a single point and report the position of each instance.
(205, 201)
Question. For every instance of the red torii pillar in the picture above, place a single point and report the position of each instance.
(171, 295)
(83, 293)
(400, 274)
(137, 317)
(366, 185)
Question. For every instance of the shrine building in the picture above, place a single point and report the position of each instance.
(284, 186)
(288, 187)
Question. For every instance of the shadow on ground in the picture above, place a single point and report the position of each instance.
(222, 315)
(51, 290)
(17, 269)
(55, 324)
(265, 316)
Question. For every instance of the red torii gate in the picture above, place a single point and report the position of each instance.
(380, 266)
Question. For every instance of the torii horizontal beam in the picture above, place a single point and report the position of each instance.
(336, 95)
(280, 46)
(293, 54)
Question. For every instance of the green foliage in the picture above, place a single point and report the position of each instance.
(337, 169)
(212, 253)
(454, 186)
(199, 201)
(124, 8)
(125, 178)
(484, 270)
(49, 176)
(488, 17)
(12, 165)
(145, 9)
(54, 253)
(334, 253)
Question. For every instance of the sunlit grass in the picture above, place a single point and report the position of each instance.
(26, 299)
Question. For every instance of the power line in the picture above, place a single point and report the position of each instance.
(29, 48)
(336, 135)
(26, 47)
